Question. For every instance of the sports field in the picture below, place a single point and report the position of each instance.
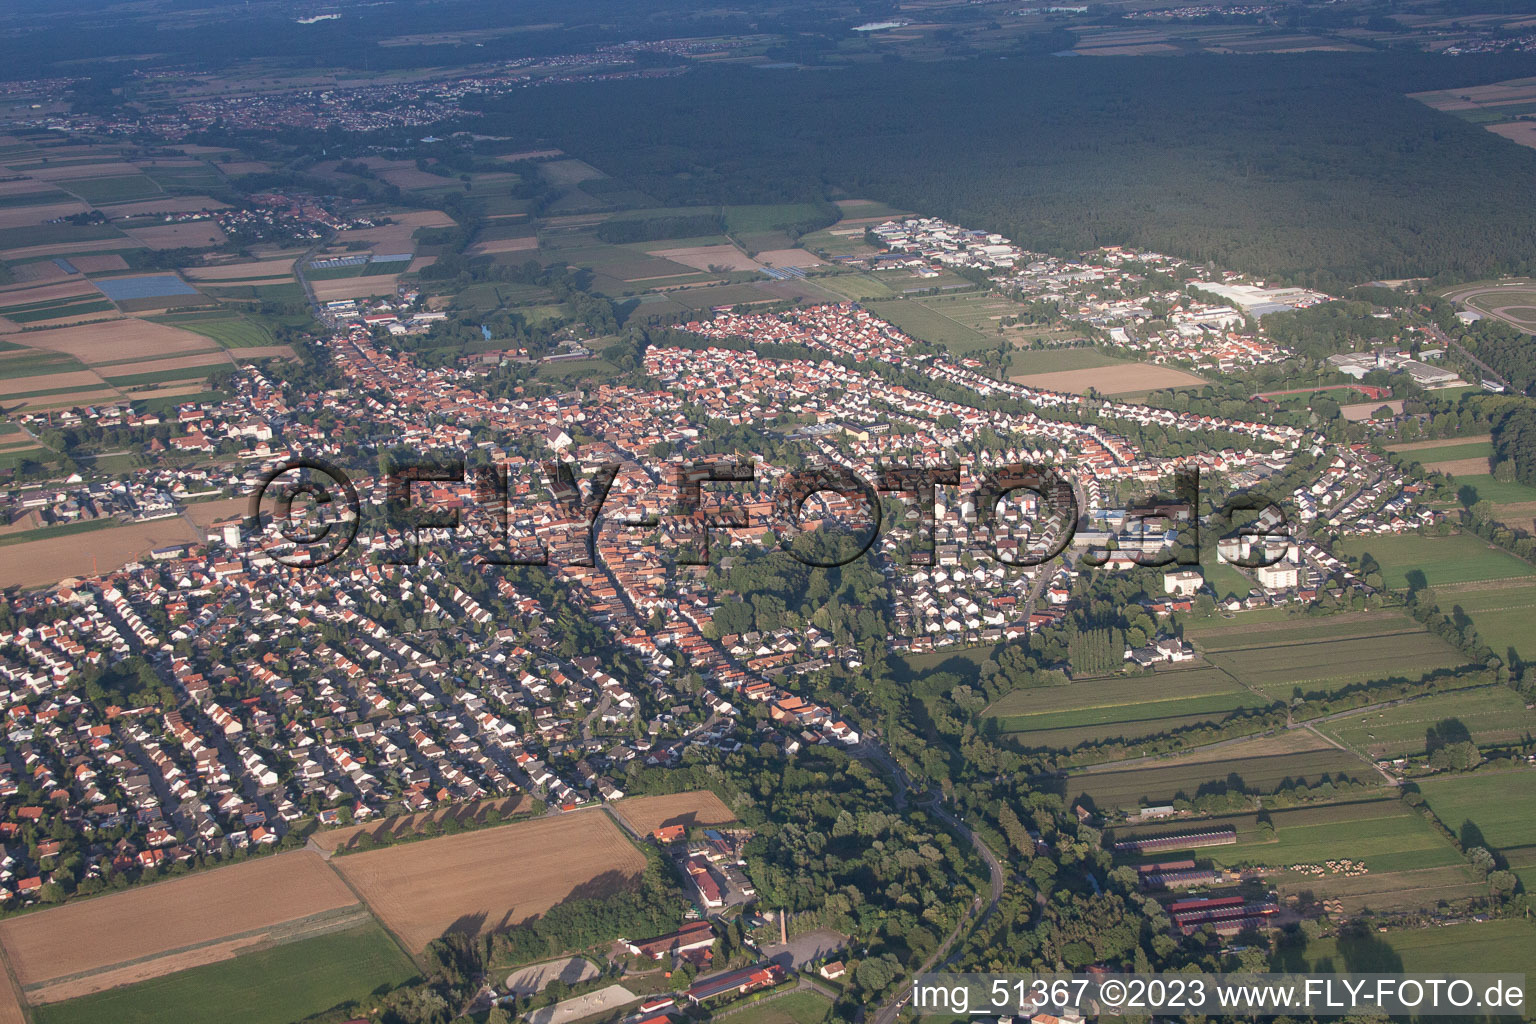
(274, 985)
(1492, 714)
(1462, 558)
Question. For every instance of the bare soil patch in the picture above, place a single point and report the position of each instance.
(355, 287)
(116, 341)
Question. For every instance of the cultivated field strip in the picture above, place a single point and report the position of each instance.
(162, 920)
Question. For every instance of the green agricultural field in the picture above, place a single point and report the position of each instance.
(1259, 628)
(290, 291)
(770, 217)
(981, 311)
(1462, 558)
(165, 403)
(794, 1008)
(1504, 945)
(1486, 488)
(1501, 612)
(929, 325)
(859, 287)
(1492, 714)
(1502, 804)
(1058, 716)
(124, 189)
(58, 311)
(1451, 452)
(199, 177)
(1321, 666)
(229, 330)
(134, 380)
(55, 234)
(1261, 764)
(270, 986)
(36, 364)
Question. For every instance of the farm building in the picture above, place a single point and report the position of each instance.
(748, 979)
(1227, 915)
(698, 935)
(1179, 879)
(1179, 841)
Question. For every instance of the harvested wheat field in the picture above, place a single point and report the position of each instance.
(37, 563)
(14, 295)
(500, 245)
(646, 814)
(29, 252)
(92, 944)
(193, 234)
(78, 380)
(1459, 467)
(99, 264)
(41, 272)
(477, 882)
(1121, 379)
(26, 216)
(260, 270)
(115, 342)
